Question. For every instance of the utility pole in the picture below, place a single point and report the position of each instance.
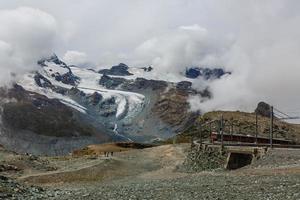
(221, 132)
(200, 133)
(210, 132)
(192, 141)
(231, 129)
(256, 127)
(271, 126)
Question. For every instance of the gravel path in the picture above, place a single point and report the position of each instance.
(151, 174)
(196, 187)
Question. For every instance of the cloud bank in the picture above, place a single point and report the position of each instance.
(75, 58)
(264, 58)
(185, 46)
(26, 35)
(257, 40)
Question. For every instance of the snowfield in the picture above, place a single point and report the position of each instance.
(129, 102)
(29, 84)
(89, 83)
(52, 68)
(154, 74)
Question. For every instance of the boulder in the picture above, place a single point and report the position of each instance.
(263, 109)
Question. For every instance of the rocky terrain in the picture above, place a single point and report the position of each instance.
(151, 173)
(242, 123)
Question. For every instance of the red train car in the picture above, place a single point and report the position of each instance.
(214, 137)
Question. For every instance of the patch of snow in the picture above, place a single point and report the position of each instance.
(122, 102)
(154, 74)
(118, 134)
(53, 81)
(89, 83)
(29, 84)
(75, 105)
(53, 68)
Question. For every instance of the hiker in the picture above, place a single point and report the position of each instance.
(112, 153)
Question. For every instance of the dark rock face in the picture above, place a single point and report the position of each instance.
(67, 78)
(53, 58)
(206, 73)
(41, 115)
(172, 107)
(108, 107)
(95, 98)
(137, 84)
(75, 91)
(263, 109)
(111, 82)
(192, 72)
(42, 81)
(118, 70)
(141, 83)
(184, 85)
(60, 90)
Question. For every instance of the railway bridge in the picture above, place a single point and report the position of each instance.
(241, 147)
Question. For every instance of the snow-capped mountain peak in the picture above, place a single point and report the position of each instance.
(123, 103)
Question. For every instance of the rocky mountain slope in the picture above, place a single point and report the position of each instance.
(59, 108)
(151, 173)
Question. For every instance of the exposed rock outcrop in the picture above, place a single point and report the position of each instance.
(41, 115)
(111, 82)
(118, 70)
(206, 73)
(263, 109)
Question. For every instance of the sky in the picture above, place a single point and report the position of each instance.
(257, 40)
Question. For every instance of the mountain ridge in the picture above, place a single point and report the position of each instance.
(117, 104)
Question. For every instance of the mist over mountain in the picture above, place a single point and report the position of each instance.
(257, 41)
(59, 107)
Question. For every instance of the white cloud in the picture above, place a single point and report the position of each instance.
(75, 58)
(264, 58)
(194, 27)
(26, 35)
(182, 47)
(257, 40)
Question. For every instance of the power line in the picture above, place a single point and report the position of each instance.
(290, 118)
(281, 112)
(283, 116)
(278, 115)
